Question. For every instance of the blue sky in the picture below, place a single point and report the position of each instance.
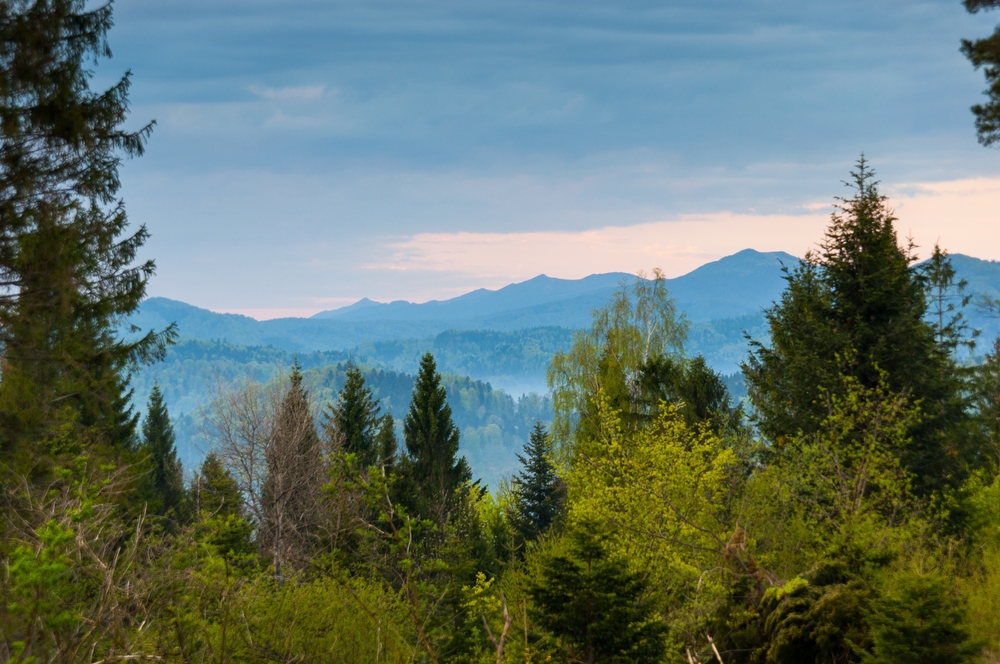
(308, 154)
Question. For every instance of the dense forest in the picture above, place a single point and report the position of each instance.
(494, 425)
(848, 510)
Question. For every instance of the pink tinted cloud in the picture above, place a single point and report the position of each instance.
(677, 247)
(963, 215)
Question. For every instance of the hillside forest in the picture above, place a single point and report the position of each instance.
(846, 510)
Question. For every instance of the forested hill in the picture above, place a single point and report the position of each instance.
(734, 289)
(734, 286)
(494, 425)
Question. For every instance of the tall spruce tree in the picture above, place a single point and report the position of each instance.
(986, 53)
(166, 474)
(594, 605)
(220, 510)
(386, 443)
(986, 401)
(294, 477)
(857, 308)
(66, 266)
(538, 488)
(216, 490)
(434, 471)
(355, 419)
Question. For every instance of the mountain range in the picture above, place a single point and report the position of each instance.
(499, 339)
(735, 286)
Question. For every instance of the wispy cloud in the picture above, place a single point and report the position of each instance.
(299, 94)
(677, 246)
(961, 215)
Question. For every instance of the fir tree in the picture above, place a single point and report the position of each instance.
(166, 474)
(66, 265)
(916, 620)
(221, 515)
(385, 442)
(434, 473)
(594, 605)
(216, 490)
(295, 474)
(355, 419)
(986, 400)
(857, 308)
(538, 489)
(986, 53)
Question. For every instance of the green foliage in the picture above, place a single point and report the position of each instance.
(857, 308)
(67, 266)
(355, 421)
(668, 489)
(986, 53)
(815, 618)
(985, 390)
(946, 299)
(700, 394)
(918, 620)
(590, 601)
(323, 620)
(432, 466)
(640, 324)
(538, 490)
(215, 489)
(166, 474)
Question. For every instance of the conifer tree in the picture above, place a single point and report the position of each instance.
(434, 470)
(538, 488)
(295, 475)
(986, 399)
(594, 604)
(386, 443)
(66, 266)
(916, 620)
(166, 474)
(220, 509)
(857, 308)
(355, 419)
(986, 53)
(216, 490)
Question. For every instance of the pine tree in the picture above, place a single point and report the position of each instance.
(166, 474)
(295, 475)
(594, 605)
(66, 267)
(355, 419)
(385, 442)
(216, 490)
(986, 53)
(857, 308)
(538, 490)
(916, 620)
(986, 400)
(221, 514)
(434, 471)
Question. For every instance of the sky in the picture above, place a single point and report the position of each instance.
(311, 153)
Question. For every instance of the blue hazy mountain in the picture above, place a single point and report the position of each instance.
(499, 339)
(732, 287)
(481, 303)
